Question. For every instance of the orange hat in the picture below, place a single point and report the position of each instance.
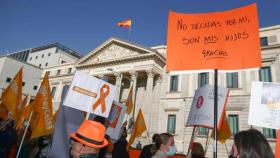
(91, 134)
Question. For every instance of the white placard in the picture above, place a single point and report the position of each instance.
(265, 105)
(202, 109)
(114, 129)
(86, 91)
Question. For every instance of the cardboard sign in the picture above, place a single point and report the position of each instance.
(115, 119)
(226, 40)
(90, 94)
(265, 105)
(202, 109)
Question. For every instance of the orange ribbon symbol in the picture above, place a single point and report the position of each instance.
(104, 92)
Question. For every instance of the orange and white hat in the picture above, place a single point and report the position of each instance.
(92, 134)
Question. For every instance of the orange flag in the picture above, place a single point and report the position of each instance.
(224, 132)
(11, 97)
(138, 128)
(129, 101)
(4, 112)
(42, 119)
(20, 109)
(277, 147)
(125, 23)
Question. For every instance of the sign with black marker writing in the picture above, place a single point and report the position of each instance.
(227, 40)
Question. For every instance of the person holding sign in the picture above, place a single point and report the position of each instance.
(88, 140)
(250, 144)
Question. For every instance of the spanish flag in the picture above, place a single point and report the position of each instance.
(11, 97)
(138, 128)
(224, 132)
(129, 101)
(125, 23)
(277, 146)
(42, 119)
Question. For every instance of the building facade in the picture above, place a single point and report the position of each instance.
(166, 99)
(47, 55)
(31, 75)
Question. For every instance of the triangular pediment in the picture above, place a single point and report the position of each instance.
(114, 49)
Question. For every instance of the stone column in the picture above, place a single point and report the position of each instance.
(147, 109)
(118, 84)
(155, 116)
(133, 83)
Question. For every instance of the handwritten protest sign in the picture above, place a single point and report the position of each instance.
(226, 40)
(115, 119)
(265, 105)
(90, 94)
(202, 111)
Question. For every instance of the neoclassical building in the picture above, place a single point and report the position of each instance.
(165, 99)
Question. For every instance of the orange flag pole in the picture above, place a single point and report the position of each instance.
(22, 139)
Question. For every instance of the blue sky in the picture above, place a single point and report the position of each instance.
(84, 24)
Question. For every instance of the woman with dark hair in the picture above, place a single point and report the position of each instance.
(251, 144)
(164, 146)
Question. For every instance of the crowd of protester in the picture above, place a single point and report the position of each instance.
(91, 141)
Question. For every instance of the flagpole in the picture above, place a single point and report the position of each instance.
(29, 119)
(192, 138)
(215, 144)
(226, 148)
(129, 32)
(207, 142)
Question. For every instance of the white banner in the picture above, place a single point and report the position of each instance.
(90, 94)
(265, 105)
(202, 109)
(115, 120)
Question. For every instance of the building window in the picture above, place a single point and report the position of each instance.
(202, 131)
(233, 123)
(49, 54)
(64, 92)
(30, 58)
(203, 79)
(264, 41)
(232, 80)
(265, 74)
(173, 83)
(69, 70)
(35, 87)
(23, 83)
(46, 64)
(8, 79)
(63, 61)
(43, 55)
(58, 72)
(53, 91)
(269, 133)
(171, 124)
(40, 65)
(36, 57)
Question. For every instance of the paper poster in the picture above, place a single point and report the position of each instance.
(116, 119)
(114, 115)
(90, 94)
(227, 40)
(202, 109)
(265, 105)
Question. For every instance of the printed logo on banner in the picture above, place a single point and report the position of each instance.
(202, 111)
(116, 118)
(90, 94)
